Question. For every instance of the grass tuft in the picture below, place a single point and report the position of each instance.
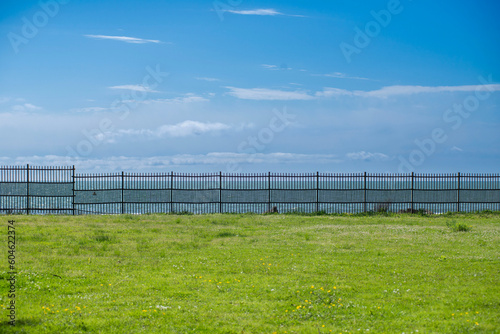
(458, 226)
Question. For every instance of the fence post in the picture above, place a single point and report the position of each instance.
(364, 196)
(123, 186)
(74, 185)
(28, 189)
(458, 193)
(269, 191)
(412, 187)
(171, 191)
(220, 191)
(317, 191)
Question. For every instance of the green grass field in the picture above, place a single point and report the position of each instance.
(254, 274)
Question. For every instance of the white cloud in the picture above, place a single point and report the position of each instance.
(270, 67)
(25, 107)
(208, 79)
(4, 99)
(341, 76)
(159, 163)
(267, 94)
(189, 128)
(391, 91)
(260, 12)
(183, 129)
(409, 90)
(334, 92)
(188, 98)
(457, 149)
(90, 109)
(275, 67)
(367, 156)
(125, 39)
(138, 88)
(264, 12)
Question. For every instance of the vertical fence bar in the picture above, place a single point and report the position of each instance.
(364, 195)
(123, 189)
(412, 188)
(317, 191)
(458, 192)
(171, 191)
(269, 192)
(27, 189)
(220, 191)
(73, 197)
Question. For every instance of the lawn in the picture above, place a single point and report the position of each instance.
(254, 274)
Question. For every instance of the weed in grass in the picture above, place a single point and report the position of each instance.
(226, 234)
(102, 238)
(458, 226)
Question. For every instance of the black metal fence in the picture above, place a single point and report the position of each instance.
(39, 190)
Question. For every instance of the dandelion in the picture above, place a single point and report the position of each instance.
(312, 286)
(334, 288)
(476, 324)
(144, 311)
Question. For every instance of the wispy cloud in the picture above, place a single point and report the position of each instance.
(275, 67)
(183, 129)
(340, 75)
(126, 39)
(158, 163)
(138, 88)
(25, 107)
(390, 91)
(90, 109)
(207, 79)
(409, 90)
(367, 156)
(268, 94)
(261, 12)
(188, 98)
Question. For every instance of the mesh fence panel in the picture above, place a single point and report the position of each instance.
(25, 189)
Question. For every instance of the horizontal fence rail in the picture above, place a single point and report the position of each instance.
(59, 190)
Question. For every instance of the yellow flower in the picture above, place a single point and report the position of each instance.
(476, 324)
(312, 286)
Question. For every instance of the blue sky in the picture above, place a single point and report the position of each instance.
(251, 86)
